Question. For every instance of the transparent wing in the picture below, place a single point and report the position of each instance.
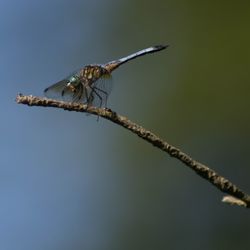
(99, 92)
(62, 91)
(55, 91)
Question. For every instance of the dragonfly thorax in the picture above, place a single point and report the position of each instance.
(91, 73)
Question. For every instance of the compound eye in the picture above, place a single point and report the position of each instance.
(72, 79)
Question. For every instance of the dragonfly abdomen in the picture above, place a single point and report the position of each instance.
(115, 64)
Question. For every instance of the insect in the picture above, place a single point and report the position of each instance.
(92, 84)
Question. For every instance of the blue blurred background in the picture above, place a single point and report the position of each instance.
(70, 182)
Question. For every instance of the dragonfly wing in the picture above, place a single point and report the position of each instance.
(100, 91)
(55, 91)
(62, 91)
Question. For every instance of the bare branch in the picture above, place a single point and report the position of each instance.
(240, 198)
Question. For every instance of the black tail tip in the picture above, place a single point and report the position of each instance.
(161, 47)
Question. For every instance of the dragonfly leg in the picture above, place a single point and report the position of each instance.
(63, 91)
(89, 97)
(105, 93)
(94, 90)
(80, 93)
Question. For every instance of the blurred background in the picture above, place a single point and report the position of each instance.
(70, 182)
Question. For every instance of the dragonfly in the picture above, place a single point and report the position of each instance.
(92, 84)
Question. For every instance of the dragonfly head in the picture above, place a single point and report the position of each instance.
(73, 82)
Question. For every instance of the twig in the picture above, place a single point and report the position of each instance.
(236, 196)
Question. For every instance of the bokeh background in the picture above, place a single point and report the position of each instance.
(70, 182)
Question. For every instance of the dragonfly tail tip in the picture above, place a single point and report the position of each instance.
(161, 47)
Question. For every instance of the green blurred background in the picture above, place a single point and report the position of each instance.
(70, 182)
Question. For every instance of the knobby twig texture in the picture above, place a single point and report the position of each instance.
(235, 195)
